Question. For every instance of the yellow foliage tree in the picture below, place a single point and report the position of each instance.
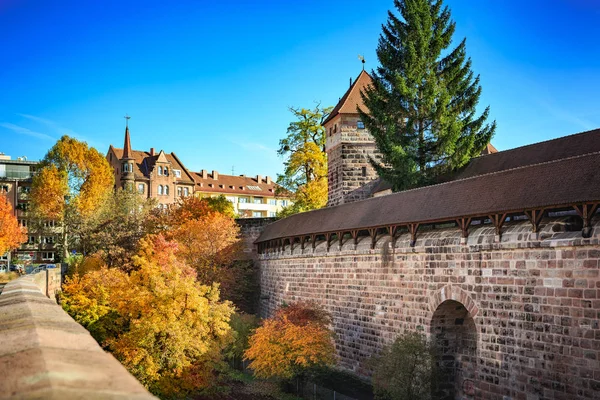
(164, 326)
(72, 183)
(305, 173)
(11, 234)
(295, 340)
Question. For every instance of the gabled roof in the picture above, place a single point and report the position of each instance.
(352, 97)
(238, 185)
(144, 164)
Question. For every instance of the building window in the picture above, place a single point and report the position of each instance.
(110, 157)
(141, 188)
(272, 202)
(364, 171)
(243, 200)
(177, 173)
(47, 255)
(330, 131)
(4, 188)
(179, 191)
(160, 190)
(48, 239)
(360, 125)
(31, 240)
(24, 189)
(272, 214)
(166, 171)
(126, 167)
(23, 223)
(49, 224)
(335, 128)
(258, 200)
(186, 192)
(166, 190)
(230, 199)
(257, 214)
(159, 170)
(284, 203)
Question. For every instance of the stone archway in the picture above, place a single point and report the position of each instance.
(454, 336)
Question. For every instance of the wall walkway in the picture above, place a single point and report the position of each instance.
(45, 354)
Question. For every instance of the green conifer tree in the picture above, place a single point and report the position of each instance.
(422, 104)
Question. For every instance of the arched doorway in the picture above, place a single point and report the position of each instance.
(454, 336)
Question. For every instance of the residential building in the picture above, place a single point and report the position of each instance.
(252, 197)
(15, 184)
(158, 175)
(163, 176)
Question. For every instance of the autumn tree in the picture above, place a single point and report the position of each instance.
(303, 148)
(160, 322)
(114, 231)
(11, 234)
(292, 342)
(72, 182)
(423, 99)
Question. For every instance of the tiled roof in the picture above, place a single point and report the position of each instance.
(550, 150)
(144, 163)
(549, 184)
(352, 97)
(233, 184)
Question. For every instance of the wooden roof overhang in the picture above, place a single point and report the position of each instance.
(571, 183)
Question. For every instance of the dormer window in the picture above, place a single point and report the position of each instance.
(166, 171)
(160, 171)
(360, 125)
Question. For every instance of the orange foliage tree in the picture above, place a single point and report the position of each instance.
(72, 183)
(11, 234)
(294, 341)
(160, 322)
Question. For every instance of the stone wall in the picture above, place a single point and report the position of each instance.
(49, 282)
(250, 230)
(515, 317)
(45, 354)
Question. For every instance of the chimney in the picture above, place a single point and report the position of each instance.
(215, 175)
(258, 179)
(268, 180)
(204, 174)
(152, 151)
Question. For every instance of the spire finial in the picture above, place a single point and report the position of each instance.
(127, 118)
(362, 59)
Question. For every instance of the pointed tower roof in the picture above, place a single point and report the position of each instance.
(127, 153)
(352, 97)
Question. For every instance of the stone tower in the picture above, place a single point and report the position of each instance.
(349, 145)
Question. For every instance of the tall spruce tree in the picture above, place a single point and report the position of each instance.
(422, 104)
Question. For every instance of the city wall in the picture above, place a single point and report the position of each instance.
(514, 317)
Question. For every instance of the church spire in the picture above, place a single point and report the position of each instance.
(127, 153)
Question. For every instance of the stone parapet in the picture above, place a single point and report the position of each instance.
(45, 354)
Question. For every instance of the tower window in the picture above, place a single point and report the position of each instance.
(360, 125)
(159, 170)
(330, 131)
(364, 171)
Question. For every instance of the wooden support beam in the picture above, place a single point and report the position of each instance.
(535, 217)
(392, 230)
(292, 241)
(373, 234)
(498, 221)
(313, 239)
(463, 224)
(302, 240)
(354, 235)
(412, 229)
(586, 212)
(340, 237)
(328, 237)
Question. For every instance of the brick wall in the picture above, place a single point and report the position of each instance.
(517, 317)
(250, 230)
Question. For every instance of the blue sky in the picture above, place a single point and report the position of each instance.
(212, 80)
